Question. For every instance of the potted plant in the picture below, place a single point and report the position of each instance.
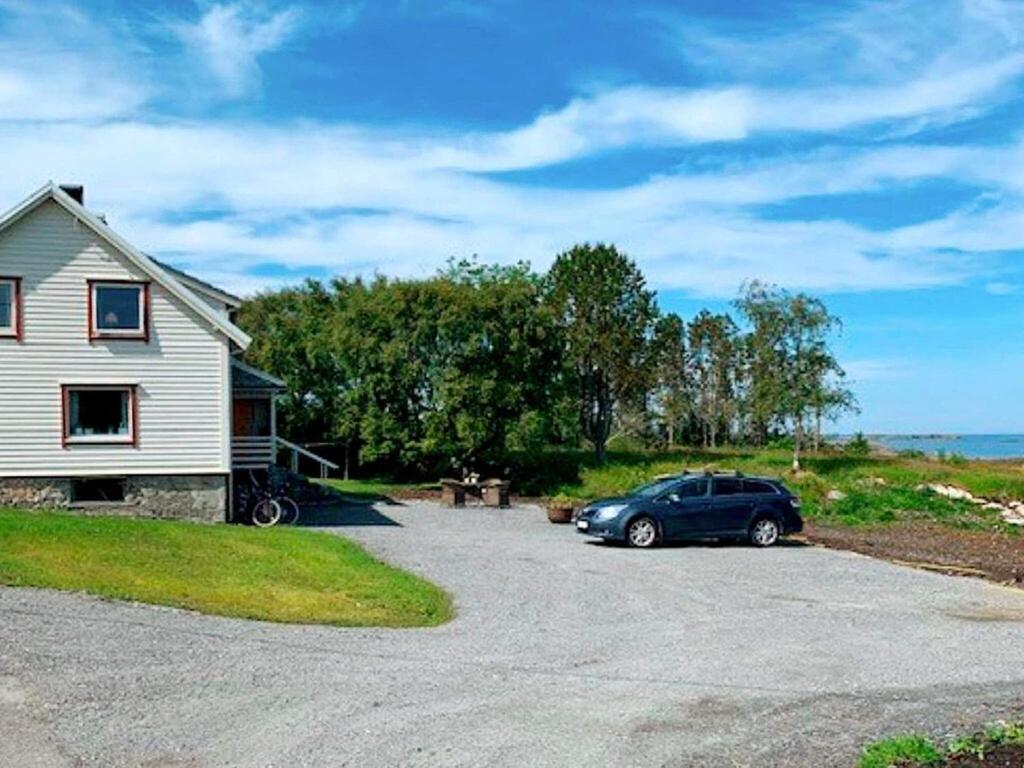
(561, 509)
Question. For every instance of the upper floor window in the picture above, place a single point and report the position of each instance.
(10, 308)
(119, 310)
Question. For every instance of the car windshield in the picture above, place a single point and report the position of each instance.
(656, 488)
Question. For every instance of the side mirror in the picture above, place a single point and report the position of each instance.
(674, 497)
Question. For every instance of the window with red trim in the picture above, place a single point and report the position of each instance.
(100, 414)
(10, 308)
(118, 310)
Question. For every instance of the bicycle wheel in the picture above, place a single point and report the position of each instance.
(289, 510)
(265, 513)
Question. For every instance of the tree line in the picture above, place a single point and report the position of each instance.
(479, 361)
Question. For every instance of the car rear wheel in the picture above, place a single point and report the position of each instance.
(764, 532)
(642, 533)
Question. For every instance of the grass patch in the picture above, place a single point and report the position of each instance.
(374, 488)
(283, 575)
(901, 751)
(878, 489)
(917, 751)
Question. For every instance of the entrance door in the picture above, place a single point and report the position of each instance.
(251, 417)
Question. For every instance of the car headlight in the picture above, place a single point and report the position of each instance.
(607, 513)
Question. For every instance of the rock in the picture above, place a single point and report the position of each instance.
(950, 491)
(835, 495)
(995, 506)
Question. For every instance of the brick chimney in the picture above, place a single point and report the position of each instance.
(75, 191)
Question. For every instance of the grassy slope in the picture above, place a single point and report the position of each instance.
(275, 575)
(867, 500)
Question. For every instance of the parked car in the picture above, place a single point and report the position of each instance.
(696, 506)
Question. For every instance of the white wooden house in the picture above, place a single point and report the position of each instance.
(120, 383)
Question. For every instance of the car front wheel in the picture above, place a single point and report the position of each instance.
(764, 532)
(642, 533)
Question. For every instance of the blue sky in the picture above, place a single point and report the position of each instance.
(869, 152)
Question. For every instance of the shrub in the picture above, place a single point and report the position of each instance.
(858, 445)
(901, 750)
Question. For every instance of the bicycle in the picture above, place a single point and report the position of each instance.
(256, 503)
(266, 503)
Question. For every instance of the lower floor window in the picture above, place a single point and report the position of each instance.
(98, 489)
(99, 414)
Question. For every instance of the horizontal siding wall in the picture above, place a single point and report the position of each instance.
(182, 427)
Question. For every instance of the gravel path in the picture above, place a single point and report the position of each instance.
(563, 653)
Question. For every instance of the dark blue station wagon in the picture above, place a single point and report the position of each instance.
(696, 506)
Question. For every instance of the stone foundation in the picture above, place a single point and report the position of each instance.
(180, 497)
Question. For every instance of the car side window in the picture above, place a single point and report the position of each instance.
(728, 486)
(759, 487)
(692, 489)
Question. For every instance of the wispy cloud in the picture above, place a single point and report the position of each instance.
(228, 40)
(57, 63)
(1001, 288)
(868, 370)
(349, 198)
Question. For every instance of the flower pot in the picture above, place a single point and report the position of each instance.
(560, 514)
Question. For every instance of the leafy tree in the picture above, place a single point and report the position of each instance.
(291, 340)
(713, 345)
(763, 365)
(607, 315)
(795, 375)
(672, 379)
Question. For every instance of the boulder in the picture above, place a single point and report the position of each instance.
(835, 495)
(950, 491)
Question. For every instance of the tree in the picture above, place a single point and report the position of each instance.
(672, 386)
(763, 366)
(797, 377)
(291, 340)
(832, 398)
(607, 315)
(713, 346)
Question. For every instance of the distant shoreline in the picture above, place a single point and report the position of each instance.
(981, 446)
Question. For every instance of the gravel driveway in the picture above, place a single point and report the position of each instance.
(564, 652)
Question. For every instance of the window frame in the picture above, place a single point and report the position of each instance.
(771, 490)
(739, 485)
(101, 334)
(694, 481)
(16, 330)
(130, 440)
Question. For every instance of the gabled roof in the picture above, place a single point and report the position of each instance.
(200, 286)
(246, 377)
(141, 261)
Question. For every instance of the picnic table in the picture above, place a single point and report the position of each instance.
(487, 493)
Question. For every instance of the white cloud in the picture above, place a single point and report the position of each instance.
(351, 199)
(1001, 288)
(57, 63)
(875, 369)
(229, 38)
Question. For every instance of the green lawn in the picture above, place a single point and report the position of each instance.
(285, 575)
(878, 489)
(375, 488)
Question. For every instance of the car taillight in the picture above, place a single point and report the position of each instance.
(794, 502)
